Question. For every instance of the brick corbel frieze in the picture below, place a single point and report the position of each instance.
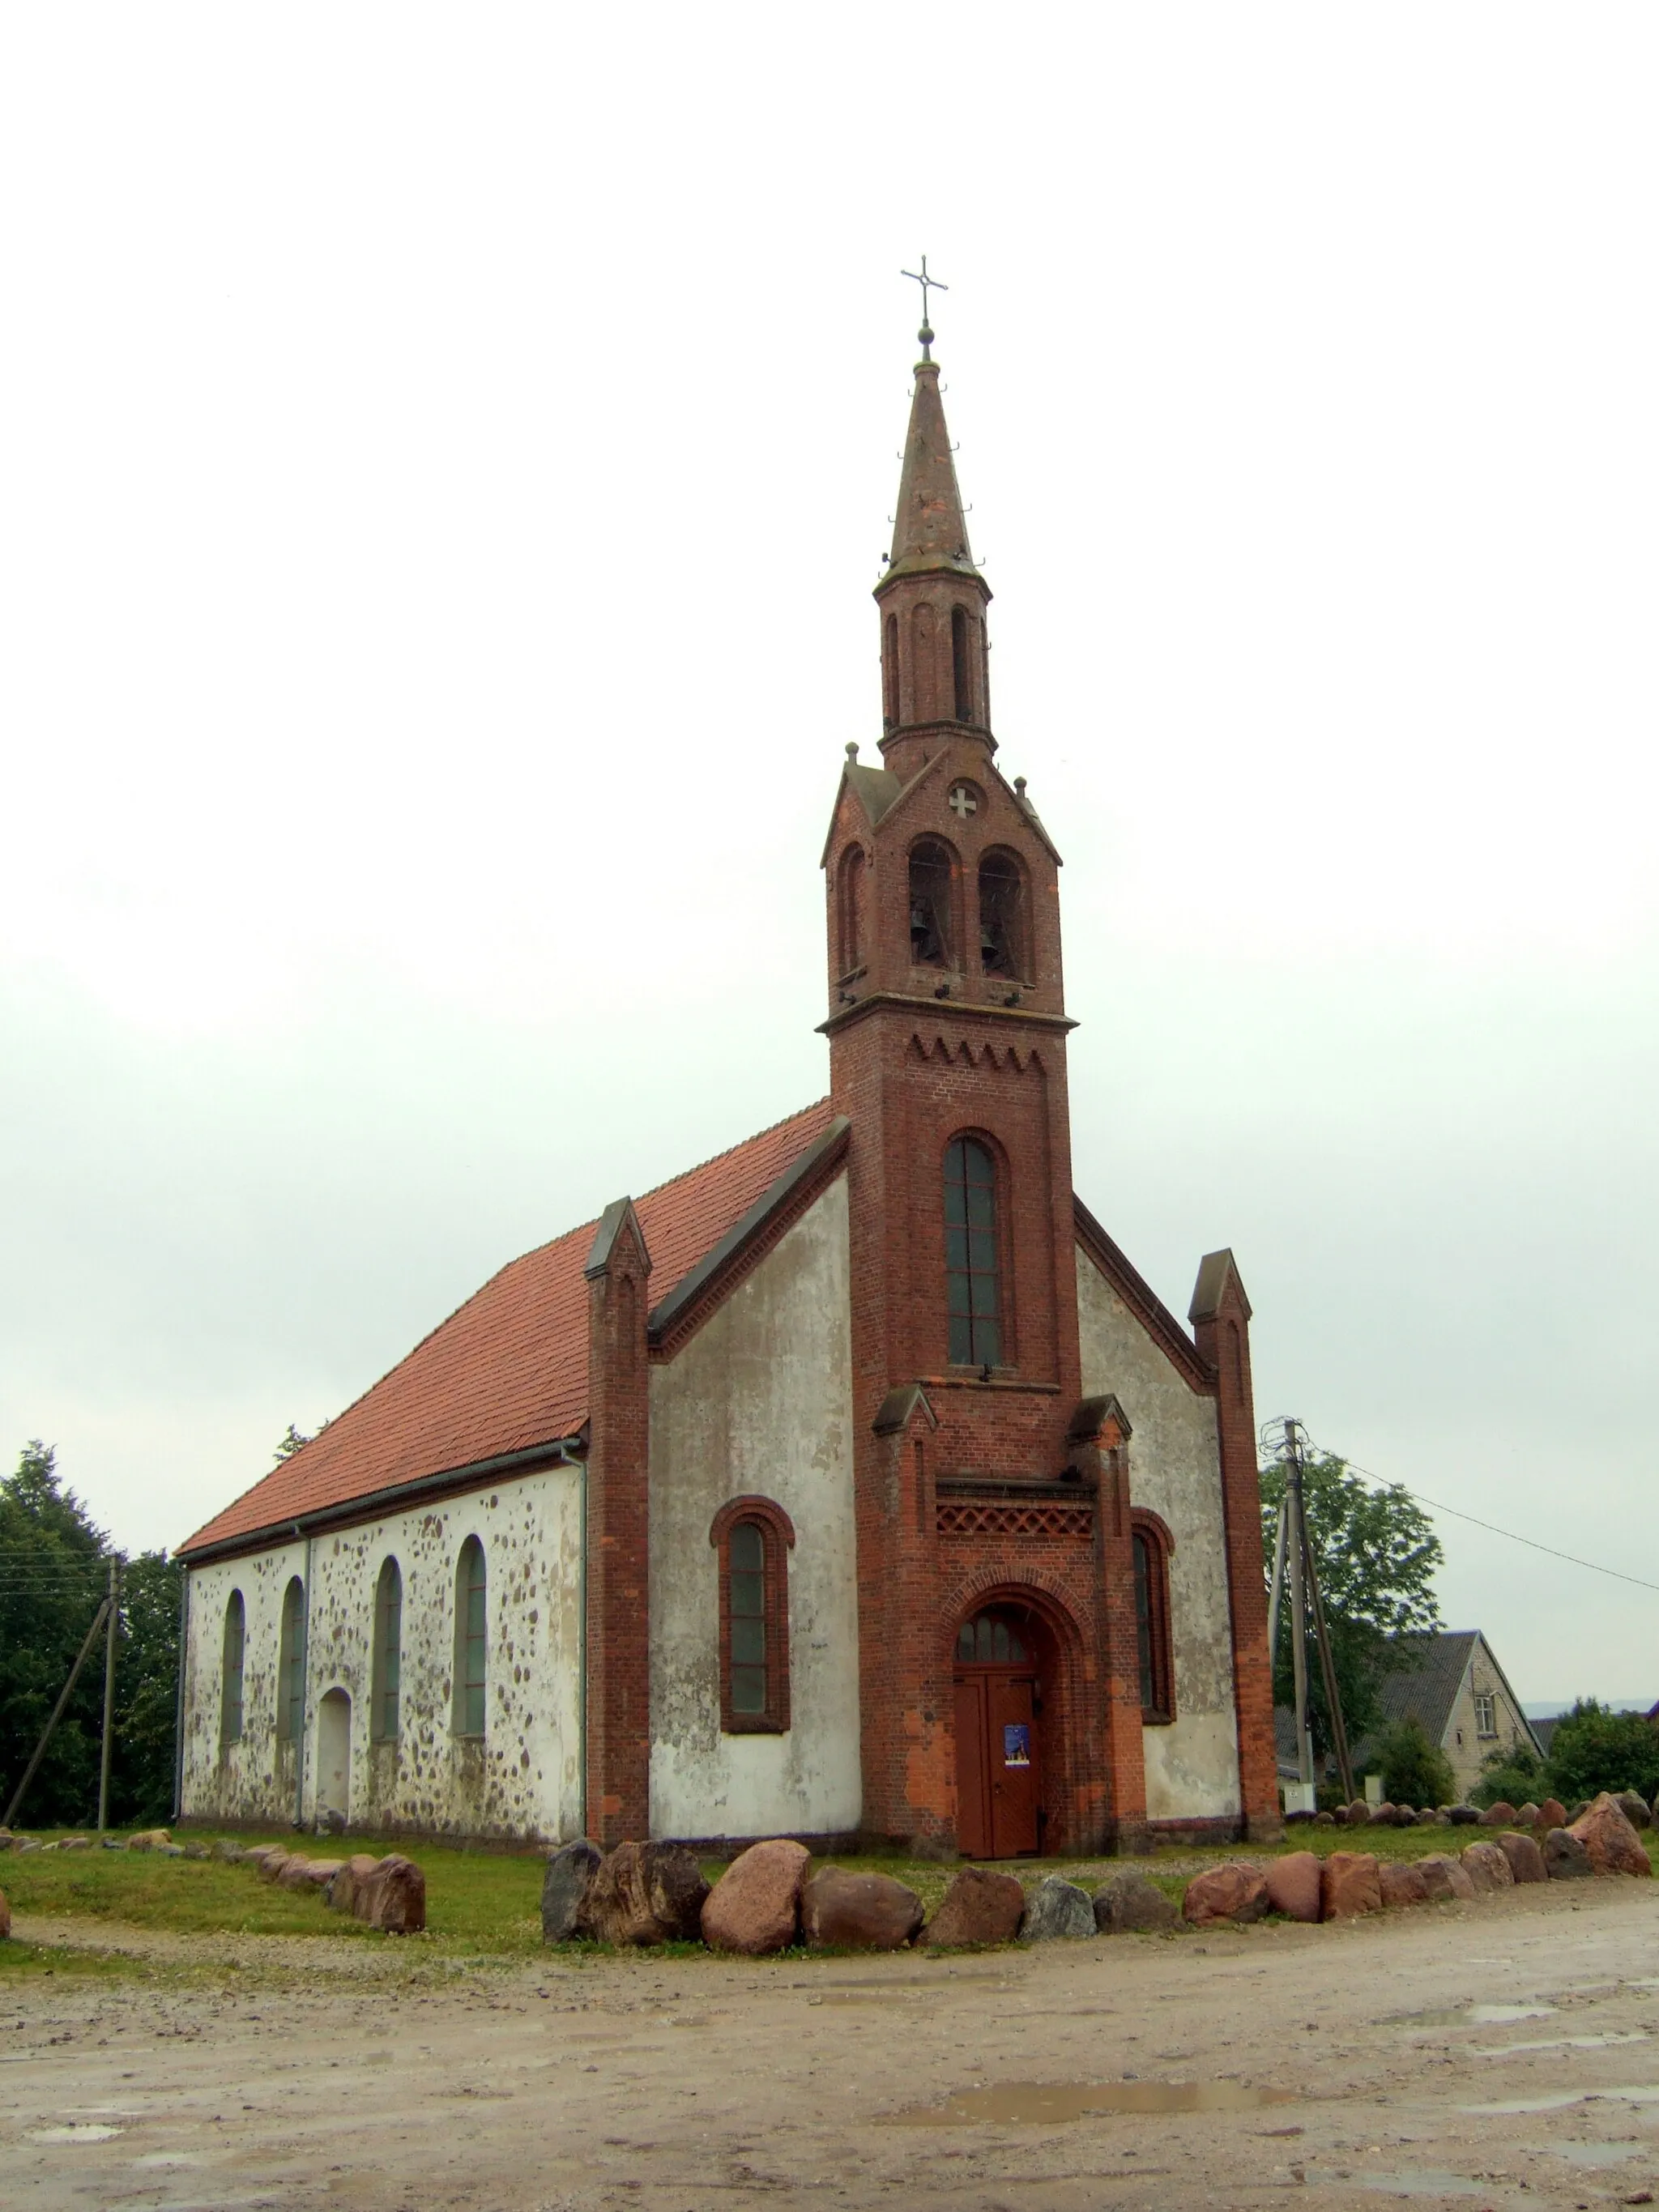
(1220, 1315)
(1099, 1446)
(619, 1648)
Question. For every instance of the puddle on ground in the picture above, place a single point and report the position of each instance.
(1558, 2099)
(84, 2131)
(1474, 2016)
(1422, 2184)
(1595, 2154)
(1044, 2104)
(1557, 2043)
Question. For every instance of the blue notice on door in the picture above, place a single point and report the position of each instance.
(1016, 1743)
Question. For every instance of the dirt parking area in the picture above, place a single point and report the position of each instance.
(1503, 2054)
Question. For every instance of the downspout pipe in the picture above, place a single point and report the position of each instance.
(305, 1685)
(179, 1710)
(567, 1457)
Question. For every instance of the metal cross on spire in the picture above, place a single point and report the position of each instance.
(927, 283)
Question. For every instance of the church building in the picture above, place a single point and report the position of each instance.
(853, 1483)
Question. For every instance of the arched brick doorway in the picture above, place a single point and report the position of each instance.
(1006, 1672)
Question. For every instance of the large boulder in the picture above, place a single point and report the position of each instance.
(1293, 1885)
(978, 1907)
(858, 1912)
(1235, 1891)
(1565, 1858)
(1551, 1814)
(392, 1896)
(1462, 1816)
(342, 1891)
(565, 1886)
(1634, 1808)
(1057, 1908)
(1526, 1815)
(307, 1874)
(1402, 1882)
(1488, 1868)
(271, 1862)
(1348, 1885)
(1526, 1860)
(1503, 1814)
(148, 1839)
(645, 1893)
(754, 1906)
(1359, 1813)
(5, 1917)
(1444, 1877)
(1131, 1904)
(230, 1850)
(1611, 1844)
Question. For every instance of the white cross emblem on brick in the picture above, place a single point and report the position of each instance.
(961, 802)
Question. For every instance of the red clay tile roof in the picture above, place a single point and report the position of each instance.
(509, 1369)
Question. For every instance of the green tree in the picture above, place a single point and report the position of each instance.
(1593, 1749)
(1377, 1552)
(1414, 1771)
(52, 1574)
(54, 1569)
(1512, 1775)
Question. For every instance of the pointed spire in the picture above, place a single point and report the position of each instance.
(930, 531)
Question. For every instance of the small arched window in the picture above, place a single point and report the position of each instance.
(291, 1664)
(1153, 1544)
(962, 676)
(752, 1537)
(1001, 916)
(387, 1667)
(973, 1290)
(230, 1674)
(471, 1639)
(930, 903)
(890, 670)
(849, 917)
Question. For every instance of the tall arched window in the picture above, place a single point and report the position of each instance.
(471, 1639)
(1151, 1544)
(752, 1538)
(230, 1673)
(387, 1668)
(849, 917)
(890, 670)
(291, 1664)
(973, 1299)
(930, 903)
(962, 676)
(1001, 916)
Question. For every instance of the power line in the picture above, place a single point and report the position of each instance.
(1457, 1513)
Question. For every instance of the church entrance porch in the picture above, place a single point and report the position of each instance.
(997, 1683)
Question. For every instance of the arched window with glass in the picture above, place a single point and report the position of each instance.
(972, 1276)
(291, 1664)
(471, 1639)
(1151, 1545)
(231, 1664)
(752, 1538)
(385, 1674)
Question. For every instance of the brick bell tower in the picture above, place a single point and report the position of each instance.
(981, 1476)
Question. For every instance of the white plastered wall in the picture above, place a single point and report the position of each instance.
(522, 1779)
(1175, 1468)
(759, 1402)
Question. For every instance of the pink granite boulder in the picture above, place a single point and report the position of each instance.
(1444, 1877)
(1349, 1885)
(1402, 1883)
(1293, 1885)
(754, 1906)
(1487, 1868)
(858, 1912)
(1525, 1858)
(1611, 1844)
(978, 1907)
(1236, 1891)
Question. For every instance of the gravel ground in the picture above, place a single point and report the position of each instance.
(1502, 2054)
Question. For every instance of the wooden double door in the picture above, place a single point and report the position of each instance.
(997, 1711)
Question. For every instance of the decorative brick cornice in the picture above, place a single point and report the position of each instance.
(969, 1516)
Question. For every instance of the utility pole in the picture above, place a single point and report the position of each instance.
(1293, 1558)
(56, 1714)
(109, 1695)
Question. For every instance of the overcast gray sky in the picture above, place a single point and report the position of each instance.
(445, 454)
